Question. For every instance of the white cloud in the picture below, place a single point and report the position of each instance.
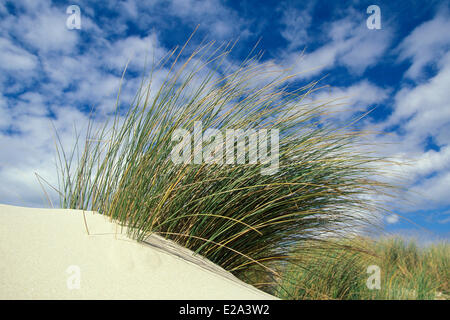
(434, 190)
(50, 76)
(392, 218)
(5, 117)
(15, 58)
(212, 15)
(426, 107)
(48, 32)
(136, 49)
(344, 103)
(428, 162)
(426, 44)
(421, 113)
(361, 94)
(350, 44)
(296, 23)
(41, 27)
(33, 150)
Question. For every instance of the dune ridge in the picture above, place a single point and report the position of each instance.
(75, 254)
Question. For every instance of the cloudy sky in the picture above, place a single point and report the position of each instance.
(50, 72)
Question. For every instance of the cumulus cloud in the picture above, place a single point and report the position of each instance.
(37, 27)
(295, 24)
(347, 102)
(18, 59)
(136, 50)
(426, 107)
(361, 94)
(47, 78)
(421, 113)
(393, 218)
(220, 20)
(426, 45)
(348, 43)
(434, 190)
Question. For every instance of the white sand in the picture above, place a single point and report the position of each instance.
(48, 254)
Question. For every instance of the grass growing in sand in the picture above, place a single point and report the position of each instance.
(245, 222)
(407, 271)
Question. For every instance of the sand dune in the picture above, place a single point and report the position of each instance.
(68, 254)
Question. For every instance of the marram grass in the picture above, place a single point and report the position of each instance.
(407, 272)
(233, 215)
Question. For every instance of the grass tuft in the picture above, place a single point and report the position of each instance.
(244, 221)
(407, 272)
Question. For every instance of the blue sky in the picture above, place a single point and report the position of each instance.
(403, 69)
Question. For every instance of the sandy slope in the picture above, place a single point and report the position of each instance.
(48, 254)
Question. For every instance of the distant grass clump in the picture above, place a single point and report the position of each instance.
(407, 271)
(238, 218)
